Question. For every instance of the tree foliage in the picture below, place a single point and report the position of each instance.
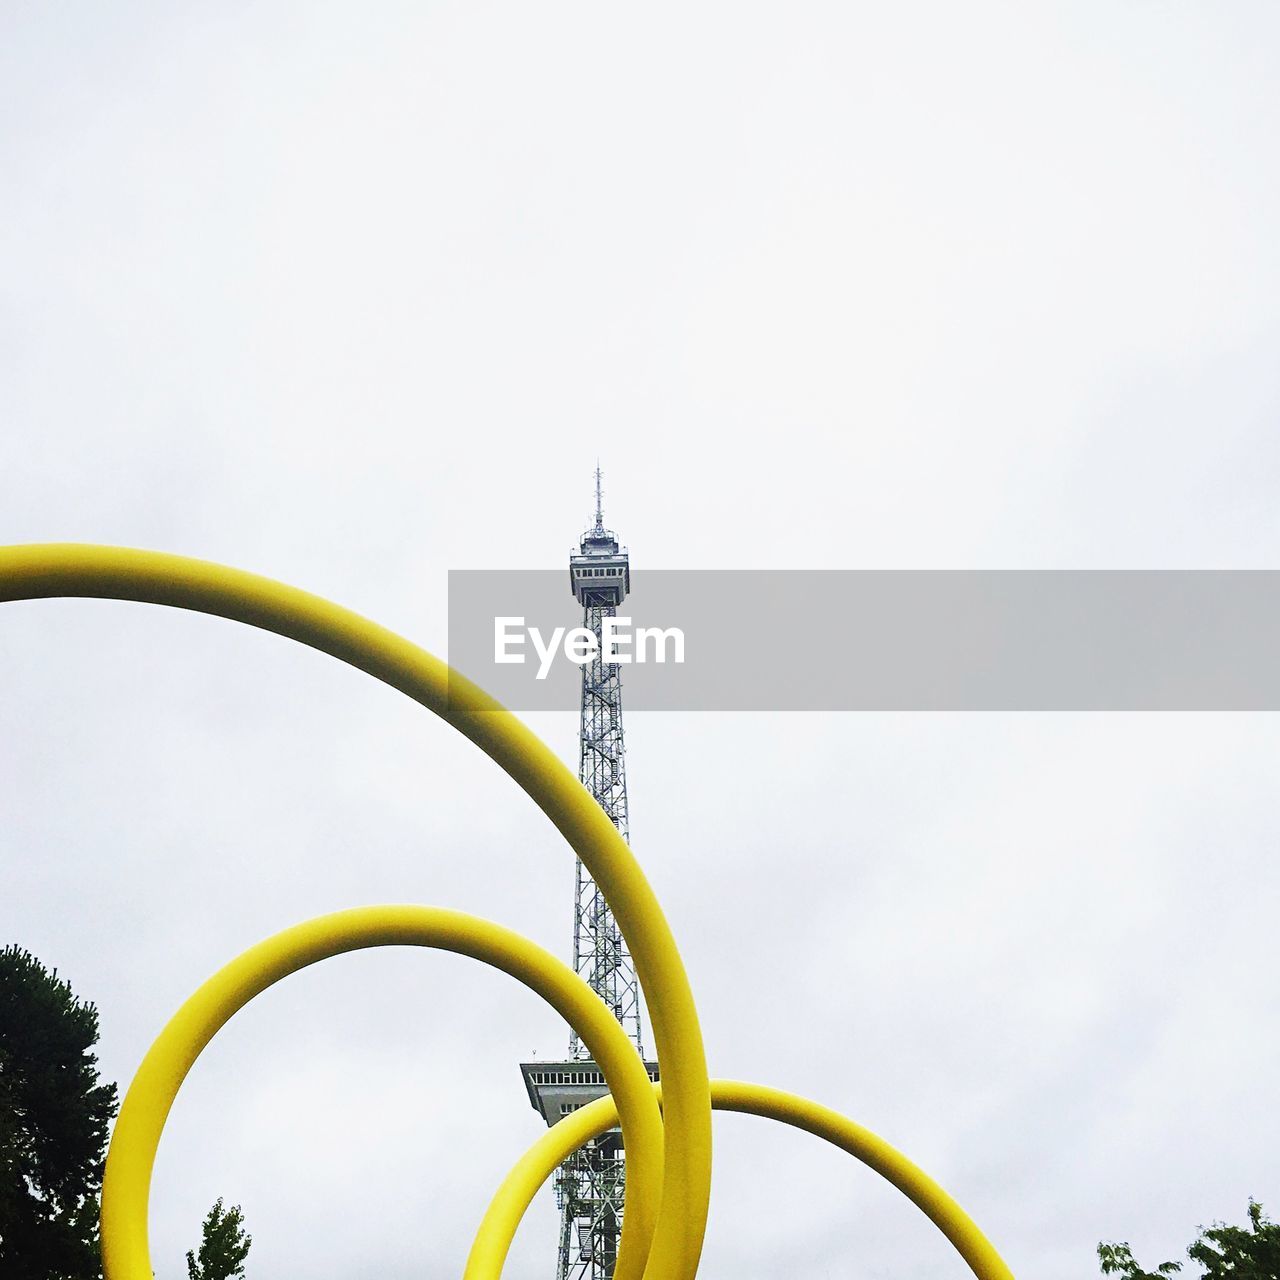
(1225, 1253)
(1118, 1259)
(54, 1116)
(223, 1246)
(1240, 1253)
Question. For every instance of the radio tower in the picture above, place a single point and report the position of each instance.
(589, 1185)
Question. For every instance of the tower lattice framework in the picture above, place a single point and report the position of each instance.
(591, 1183)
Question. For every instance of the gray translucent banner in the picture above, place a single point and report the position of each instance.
(924, 640)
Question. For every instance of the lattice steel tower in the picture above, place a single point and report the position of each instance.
(589, 1185)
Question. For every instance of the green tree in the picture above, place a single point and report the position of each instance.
(54, 1116)
(1240, 1253)
(1118, 1259)
(1225, 1253)
(223, 1246)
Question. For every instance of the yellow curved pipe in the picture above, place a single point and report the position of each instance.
(518, 1188)
(126, 1185)
(118, 573)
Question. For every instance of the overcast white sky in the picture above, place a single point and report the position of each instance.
(353, 295)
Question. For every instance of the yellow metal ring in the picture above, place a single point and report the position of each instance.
(126, 1185)
(518, 1188)
(118, 573)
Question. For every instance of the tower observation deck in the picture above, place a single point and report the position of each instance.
(590, 1184)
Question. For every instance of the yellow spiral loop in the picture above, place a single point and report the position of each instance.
(668, 1193)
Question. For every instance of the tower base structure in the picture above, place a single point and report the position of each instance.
(589, 1185)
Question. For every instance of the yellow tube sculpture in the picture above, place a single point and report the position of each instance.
(122, 573)
(668, 1155)
(126, 1184)
(551, 1150)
